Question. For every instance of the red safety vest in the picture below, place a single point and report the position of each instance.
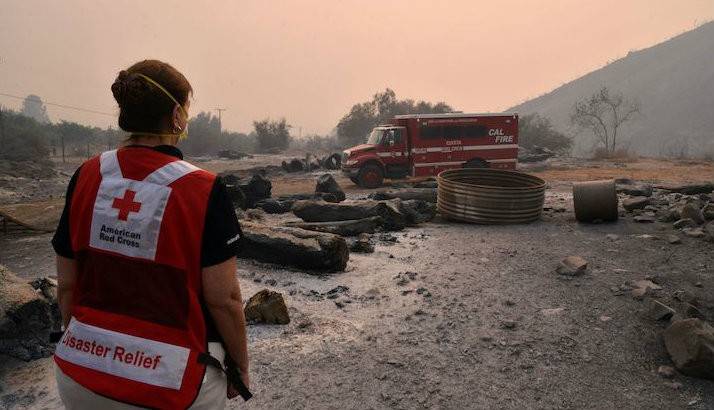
(137, 327)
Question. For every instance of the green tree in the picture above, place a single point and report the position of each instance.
(355, 125)
(272, 136)
(537, 130)
(204, 134)
(34, 108)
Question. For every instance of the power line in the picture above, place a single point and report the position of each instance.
(63, 106)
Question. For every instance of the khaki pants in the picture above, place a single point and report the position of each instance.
(211, 396)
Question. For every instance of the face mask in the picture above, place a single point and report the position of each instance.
(184, 133)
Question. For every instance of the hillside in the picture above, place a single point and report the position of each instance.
(674, 82)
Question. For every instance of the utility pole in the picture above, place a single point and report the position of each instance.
(2, 129)
(220, 124)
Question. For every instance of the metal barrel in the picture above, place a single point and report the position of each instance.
(595, 201)
(490, 196)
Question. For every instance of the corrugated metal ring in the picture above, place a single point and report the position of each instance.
(490, 196)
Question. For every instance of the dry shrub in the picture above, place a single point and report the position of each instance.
(619, 155)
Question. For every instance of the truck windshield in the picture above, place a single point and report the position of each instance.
(376, 136)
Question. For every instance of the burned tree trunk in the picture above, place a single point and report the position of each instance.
(343, 228)
(406, 194)
(294, 247)
(317, 211)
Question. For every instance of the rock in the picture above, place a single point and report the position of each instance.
(274, 206)
(293, 247)
(688, 189)
(294, 165)
(267, 307)
(645, 219)
(691, 211)
(254, 215)
(362, 244)
(637, 202)
(256, 189)
(641, 288)
(508, 324)
(417, 211)
(708, 212)
(424, 194)
(313, 211)
(327, 184)
(660, 311)
(690, 343)
(683, 223)
(612, 237)
(667, 372)
(27, 316)
(635, 190)
(694, 232)
(572, 266)
(343, 228)
(332, 161)
(709, 230)
(674, 239)
(668, 216)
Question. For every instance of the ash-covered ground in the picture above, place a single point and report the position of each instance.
(450, 315)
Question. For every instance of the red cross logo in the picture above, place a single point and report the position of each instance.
(126, 205)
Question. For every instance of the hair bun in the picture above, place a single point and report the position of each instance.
(129, 88)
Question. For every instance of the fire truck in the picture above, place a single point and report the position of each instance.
(421, 145)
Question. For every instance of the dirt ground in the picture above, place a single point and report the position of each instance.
(455, 316)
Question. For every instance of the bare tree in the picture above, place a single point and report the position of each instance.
(603, 113)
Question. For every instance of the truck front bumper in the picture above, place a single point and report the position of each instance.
(350, 172)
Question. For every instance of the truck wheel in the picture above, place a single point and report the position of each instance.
(476, 163)
(370, 176)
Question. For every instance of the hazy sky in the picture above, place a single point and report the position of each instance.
(310, 60)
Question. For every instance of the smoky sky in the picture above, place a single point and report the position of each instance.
(309, 60)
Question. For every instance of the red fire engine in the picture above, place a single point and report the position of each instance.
(426, 144)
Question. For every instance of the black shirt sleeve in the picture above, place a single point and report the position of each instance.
(221, 232)
(61, 241)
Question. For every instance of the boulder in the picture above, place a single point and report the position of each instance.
(690, 343)
(418, 211)
(424, 194)
(293, 247)
(362, 244)
(274, 206)
(645, 218)
(350, 227)
(326, 184)
(708, 212)
(572, 266)
(637, 202)
(257, 189)
(692, 211)
(27, 316)
(294, 165)
(267, 307)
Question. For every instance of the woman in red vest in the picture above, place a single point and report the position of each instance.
(146, 265)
